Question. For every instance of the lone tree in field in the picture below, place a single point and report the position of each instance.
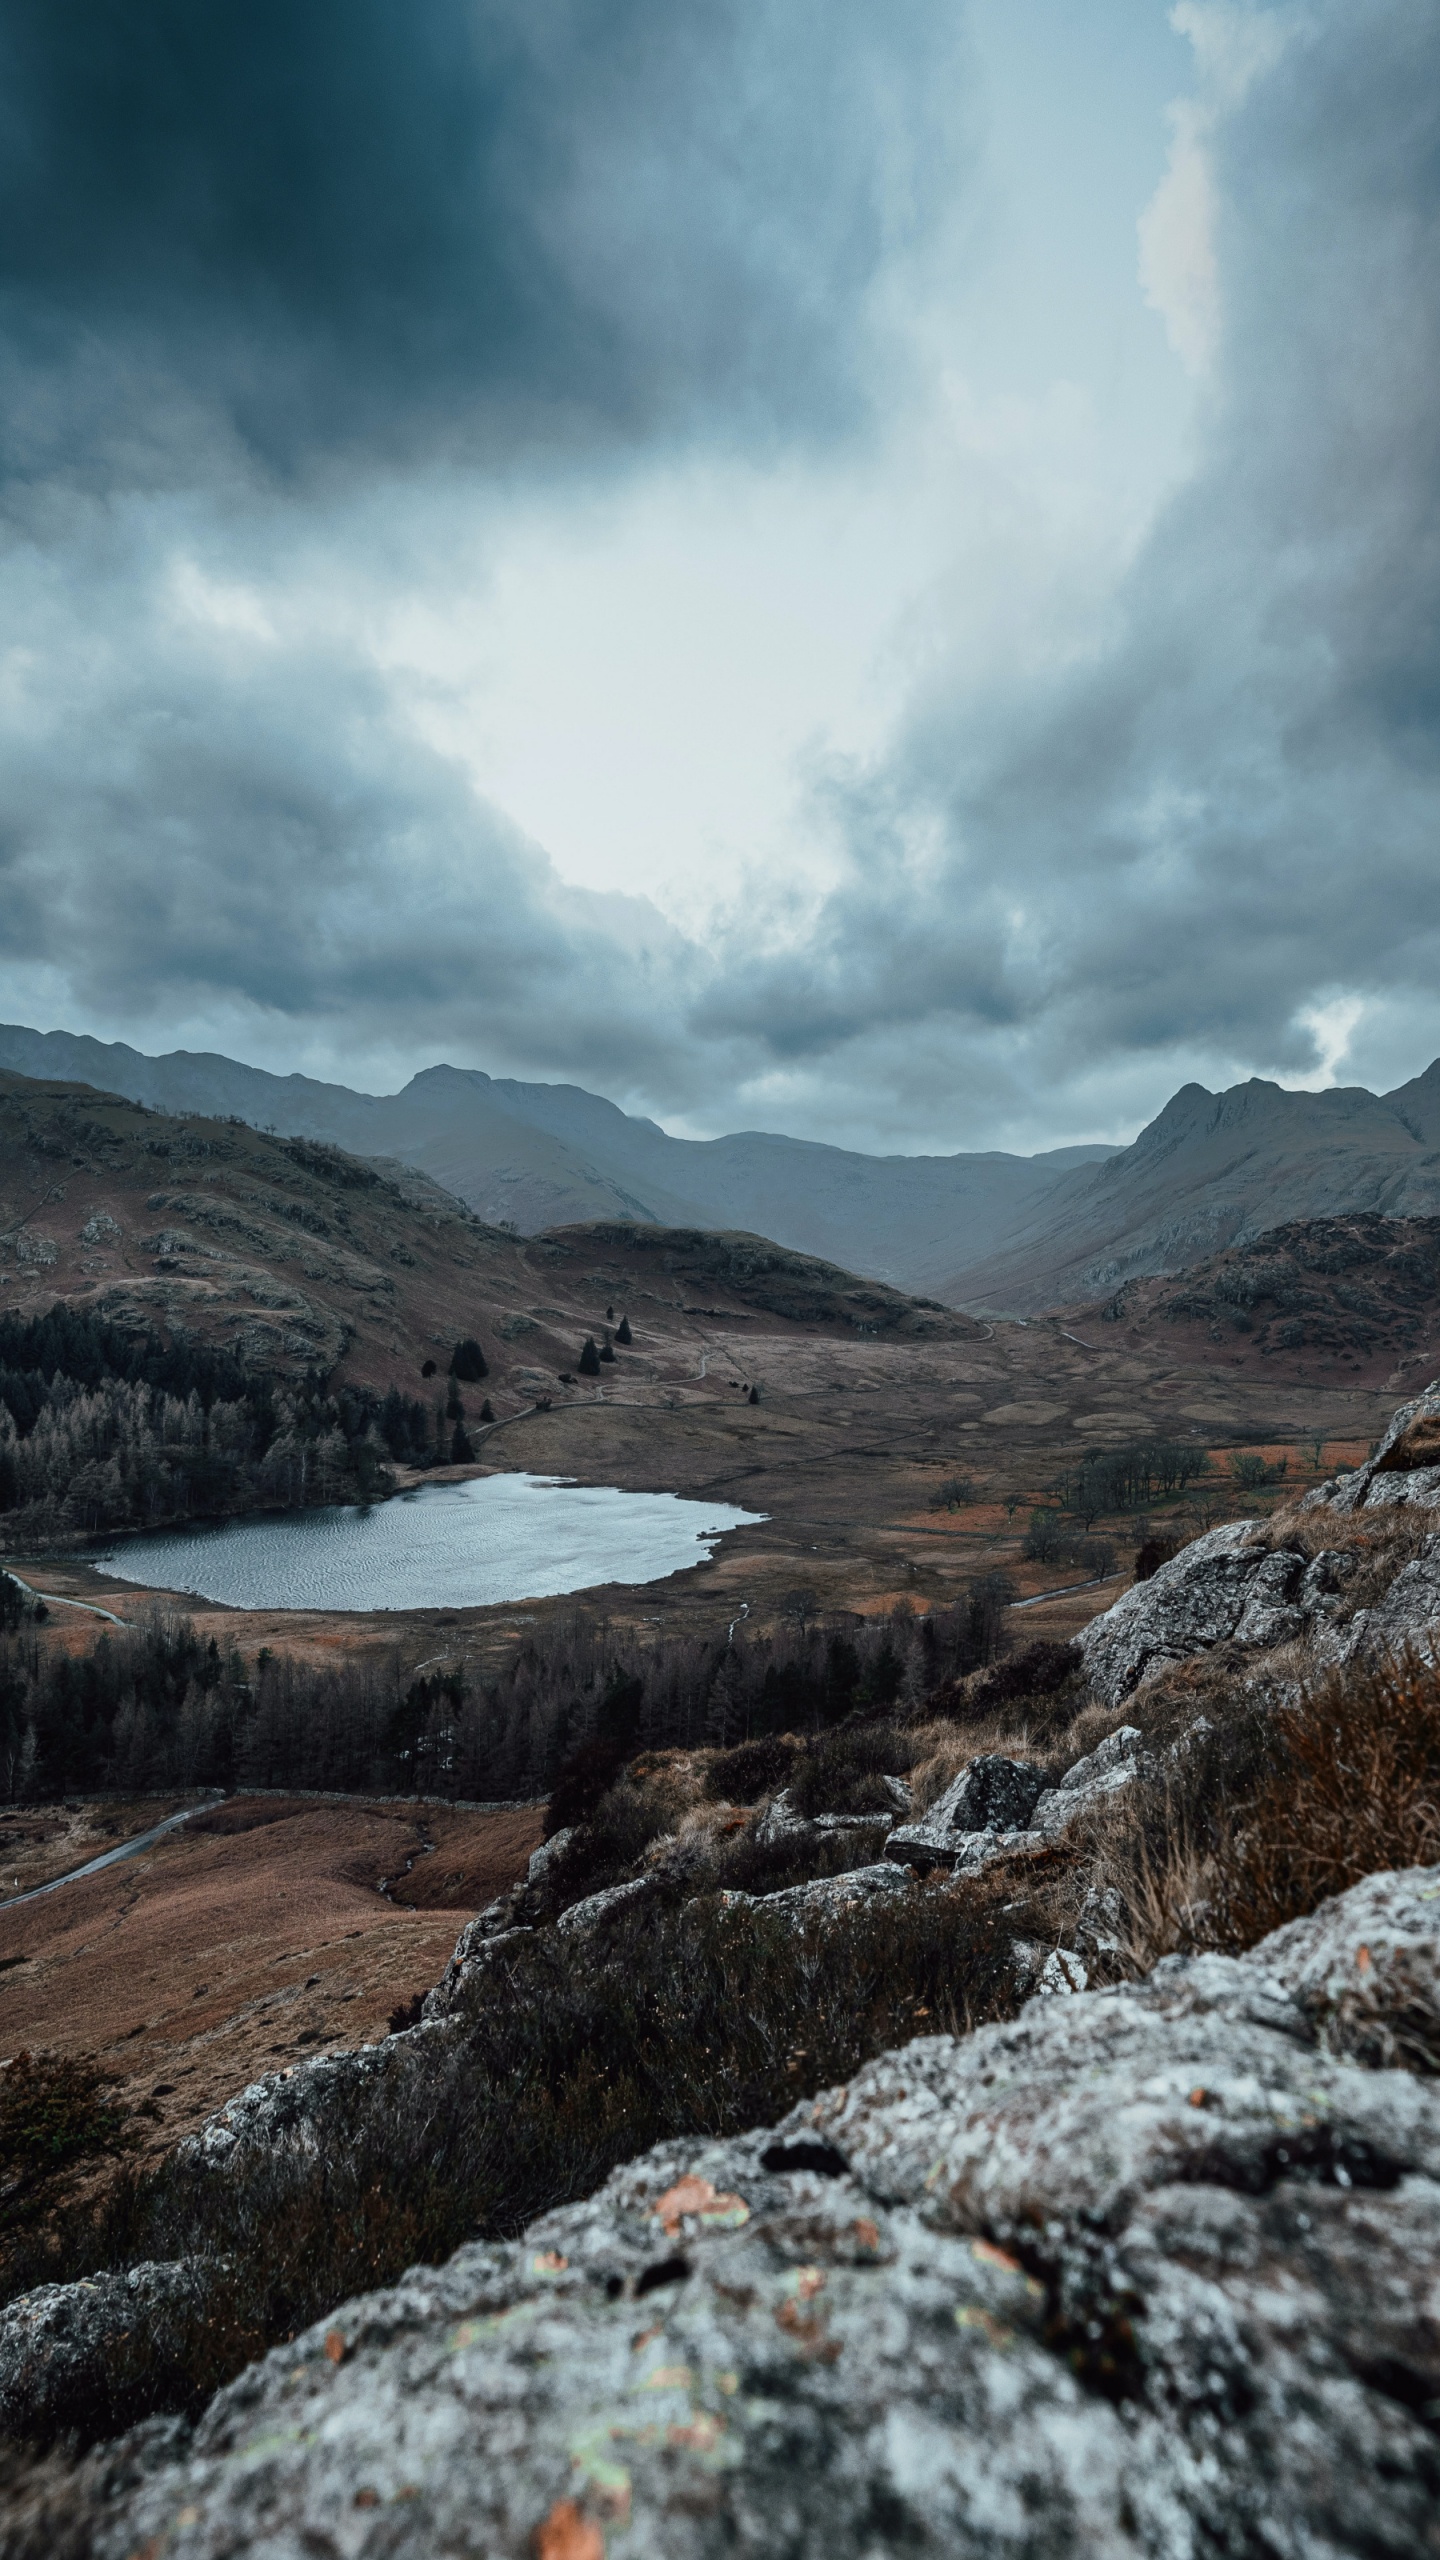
(588, 1363)
(623, 1332)
(607, 1350)
(468, 1361)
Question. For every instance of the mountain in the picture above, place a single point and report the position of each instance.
(537, 1155)
(299, 1257)
(1214, 1169)
(998, 1234)
(1353, 1301)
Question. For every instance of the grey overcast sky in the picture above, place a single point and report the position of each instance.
(868, 572)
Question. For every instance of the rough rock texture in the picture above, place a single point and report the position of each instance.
(825, 1895)
(1149, 2270)
(61, 2330)
(992, 1799)
(1001, 1788)
(298, 2108)
(1408, 1614)
(579, 1917)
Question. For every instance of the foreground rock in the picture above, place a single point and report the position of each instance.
(1150, 2270)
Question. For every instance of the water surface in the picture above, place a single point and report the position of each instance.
(456, 1546)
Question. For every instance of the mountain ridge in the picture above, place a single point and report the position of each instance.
(538, 1156)
(983, 1231)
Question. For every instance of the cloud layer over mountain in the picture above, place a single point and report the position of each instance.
(296, 306)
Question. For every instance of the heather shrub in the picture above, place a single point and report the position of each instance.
(1350, 1785)
(844, 1772)
(751, 1770)
(56, 2121)
(696, 2021)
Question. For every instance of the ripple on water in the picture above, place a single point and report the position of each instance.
(490, 1541)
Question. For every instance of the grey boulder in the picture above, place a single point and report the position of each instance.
(1147, 2271)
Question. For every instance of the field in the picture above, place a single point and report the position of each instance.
(249, 1938)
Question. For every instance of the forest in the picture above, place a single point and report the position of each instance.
(102, 1429)
(159, 1707)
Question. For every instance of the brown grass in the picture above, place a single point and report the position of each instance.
(1352, 1788)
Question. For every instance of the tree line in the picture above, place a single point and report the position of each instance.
(160, 1707)
(101, 1429)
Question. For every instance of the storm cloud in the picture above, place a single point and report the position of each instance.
(1221, 820)
(294, 300)
(492, 228)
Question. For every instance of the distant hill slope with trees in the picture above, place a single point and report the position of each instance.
(1354, 1299)
(199, 1318)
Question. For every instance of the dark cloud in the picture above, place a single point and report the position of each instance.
(489, 226)
(365, 235)
(1230, 810)
(247, 830)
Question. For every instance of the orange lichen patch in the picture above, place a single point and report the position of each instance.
(695, 2197)
(808, 2332)
(567, 2534)
(990, 2256)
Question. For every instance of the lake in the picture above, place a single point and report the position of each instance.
(457, 1546)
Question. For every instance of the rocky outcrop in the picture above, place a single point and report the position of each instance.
(61, 2333)
(1147, 2271)
(1404, 1468)
(301, 2108)
(826, 1896)
(1234, 1586)
(997, 1806)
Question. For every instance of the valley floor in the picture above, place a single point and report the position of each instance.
(255, 1935)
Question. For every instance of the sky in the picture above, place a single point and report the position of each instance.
(865, 573)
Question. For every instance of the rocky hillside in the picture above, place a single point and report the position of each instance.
(544, 1155)
(1355, 1298)
(1022, 2118)
(1147, 2272)
(1214, 1169)
(298, 1257)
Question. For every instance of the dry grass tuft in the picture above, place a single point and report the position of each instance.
(1352, 1788)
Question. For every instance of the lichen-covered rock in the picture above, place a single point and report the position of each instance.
(825, 1896)
(59, 2331)
(1113, 1763)
(1148, 2271)
(1365, 1970)
(1189, 1605)
(579, 1917)
(299, 2108)
(986, 1806)
(944, 1837)
(1406, 1617)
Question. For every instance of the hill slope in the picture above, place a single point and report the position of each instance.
(298, 1257)
(1215, 1170)
(548, 1155)
(1331, 1297)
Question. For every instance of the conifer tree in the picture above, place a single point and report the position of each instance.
(588, 1363)
(623, 1332)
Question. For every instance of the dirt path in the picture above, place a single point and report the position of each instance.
(107, 1858)
(219, 1953)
